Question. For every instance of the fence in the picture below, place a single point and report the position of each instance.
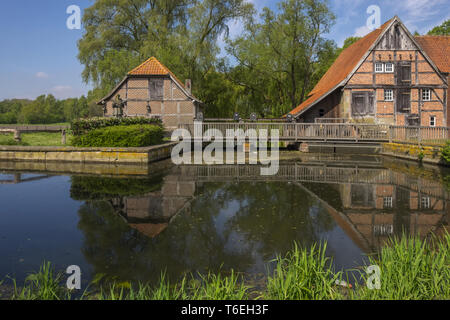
(419, 135)
(290, 131)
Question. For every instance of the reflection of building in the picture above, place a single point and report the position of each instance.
(380, 211)
(151, 213)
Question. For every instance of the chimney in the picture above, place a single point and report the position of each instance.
(188, 85)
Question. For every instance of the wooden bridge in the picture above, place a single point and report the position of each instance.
(318, 132)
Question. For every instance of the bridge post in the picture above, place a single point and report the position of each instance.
(17, 136)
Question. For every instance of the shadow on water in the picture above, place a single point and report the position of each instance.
(210, 218)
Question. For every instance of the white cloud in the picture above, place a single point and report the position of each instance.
(42, 75)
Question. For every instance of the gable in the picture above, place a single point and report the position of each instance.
(396, 38)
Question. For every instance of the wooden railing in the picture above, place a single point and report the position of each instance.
(322, 132)
(419, 135)
(291, 131)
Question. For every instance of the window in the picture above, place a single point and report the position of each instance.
(362, 103)
(156, 89)
(425, 202)
(389, 67)
(432, 121)
(378, 67)
(321, 112)
(426, 94)
(387, 202)
(388, 95)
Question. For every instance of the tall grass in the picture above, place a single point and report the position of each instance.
(209, 287)
(304, 274)
(43, 285)
(411, 269)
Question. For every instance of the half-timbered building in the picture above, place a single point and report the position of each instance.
(152, 90)
(389, 76)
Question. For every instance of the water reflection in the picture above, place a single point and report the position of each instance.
(199, 218)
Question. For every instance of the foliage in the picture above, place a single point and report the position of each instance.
(83, 126)
(89, 188)
(303, 274)
(282, 57)
(45, 110)
(445, 153)
(42, 285)
(411, 269)
(121, 136)
(442, 30)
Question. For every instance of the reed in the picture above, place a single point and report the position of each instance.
(304, 275)
(411, 269)
(42, 285)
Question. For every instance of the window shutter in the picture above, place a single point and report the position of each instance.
(157, 89)
(370, 102)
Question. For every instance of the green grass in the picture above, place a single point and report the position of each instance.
(35, 139)
(410, 269)
(304, 275)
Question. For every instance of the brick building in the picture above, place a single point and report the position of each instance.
(152, 90)
(389, 76)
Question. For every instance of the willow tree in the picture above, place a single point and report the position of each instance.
(278, 56)
(183, 34)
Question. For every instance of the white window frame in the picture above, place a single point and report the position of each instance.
(426, 97)
(387, 202)
(425, 203)
(432, 121)
(389, 97)
(377, 64)
(391, 69)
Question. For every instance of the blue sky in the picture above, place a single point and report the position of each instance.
(38, 54)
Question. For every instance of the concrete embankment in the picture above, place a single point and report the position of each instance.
(427, 154)
(87, 155)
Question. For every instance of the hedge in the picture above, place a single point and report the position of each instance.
(121, 136)
(445, 154)
(83, 126)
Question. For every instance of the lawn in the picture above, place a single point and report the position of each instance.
(35, 139)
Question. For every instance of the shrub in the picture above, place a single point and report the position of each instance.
(121, 136)
(445, 154)
(83, 126)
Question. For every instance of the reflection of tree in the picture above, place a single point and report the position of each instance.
(232, 225)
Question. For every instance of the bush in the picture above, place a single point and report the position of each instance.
(445, 154)
(121, 136)
(83, 126)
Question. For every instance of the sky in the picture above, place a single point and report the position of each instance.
(38, 52)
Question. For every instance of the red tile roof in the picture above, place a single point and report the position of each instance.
(341, 68)
(438, 49)
(152, 67)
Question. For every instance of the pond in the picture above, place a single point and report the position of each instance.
(182, 219)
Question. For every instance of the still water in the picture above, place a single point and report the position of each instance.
(209, 218)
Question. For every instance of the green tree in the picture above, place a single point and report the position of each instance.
(278, 58)
(45, 109)
(183, 34)
(442, 30)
